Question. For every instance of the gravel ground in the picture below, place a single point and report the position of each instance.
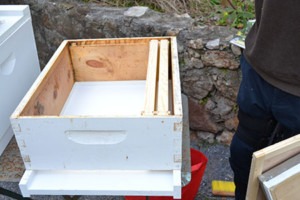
(217, 169)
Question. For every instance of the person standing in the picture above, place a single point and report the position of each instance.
(269, 94)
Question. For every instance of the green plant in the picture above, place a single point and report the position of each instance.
(215, 2)
(237, 13)
(204, 100)
(235, 108)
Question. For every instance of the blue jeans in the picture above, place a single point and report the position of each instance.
(260, 100)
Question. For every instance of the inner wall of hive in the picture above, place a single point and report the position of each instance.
(49, 97)
(108, 61)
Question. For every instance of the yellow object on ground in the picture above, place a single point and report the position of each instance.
(223, 188)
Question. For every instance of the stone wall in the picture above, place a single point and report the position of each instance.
(209, 69)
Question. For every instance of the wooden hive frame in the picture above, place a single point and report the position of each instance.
(265, 159)
(281, 182)
(158, 96)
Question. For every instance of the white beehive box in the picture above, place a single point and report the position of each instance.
(104, 118)
(19, 64)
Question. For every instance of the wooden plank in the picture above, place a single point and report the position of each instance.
(267, 158)
(176, 92)
(151, 79)
(101, 42)
(274, 179)
(101, 182)
(114, 41)
(27, 179)
(177, 184)
(51, 89)
(163, 79)
(110, 61)
(76, 139)
(288, 188)
(277, 170)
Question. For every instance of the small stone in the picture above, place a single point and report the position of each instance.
(67, 6)
(185, 15)
(197, 63)
(232, 123)
(224, 106)
(193, 53)
(219, 59)
(173, 32)
(136, 11)
(199, 118)
(230, 37)
(225, 137)
(193, 135)
(215, 77)
(196, 44)
(210, 105)
(206, 136)
(213, 44)
(236, 50)
(190, 63)
(196, 83)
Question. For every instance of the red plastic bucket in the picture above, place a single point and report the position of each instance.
(188, 192)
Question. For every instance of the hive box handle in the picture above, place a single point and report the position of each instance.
(96, 137)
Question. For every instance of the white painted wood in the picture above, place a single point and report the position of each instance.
(98, 182)
(148, 144)
(19, 65)
(92, 142)
(267, 158)
(11, 18)
(272, 183)
(177, 184)
(26, 180)
(6, 137)
(106, 98)
(96, 137)
(177, 102)
(278, 169)
(279, 175)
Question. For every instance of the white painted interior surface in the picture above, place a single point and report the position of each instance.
(106, 98)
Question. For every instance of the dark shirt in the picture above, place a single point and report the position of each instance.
(273, 44)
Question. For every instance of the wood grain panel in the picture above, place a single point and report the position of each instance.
(55, 85)
(110, 61)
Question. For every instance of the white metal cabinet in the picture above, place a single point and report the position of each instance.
(19, 64)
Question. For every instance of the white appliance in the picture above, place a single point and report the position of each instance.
(19, 65)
